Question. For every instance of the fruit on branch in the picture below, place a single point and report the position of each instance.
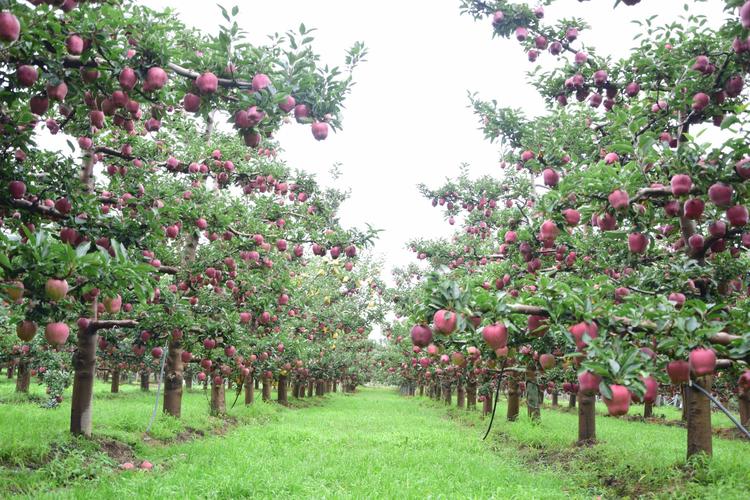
(27, 75)
(445, 321)
(156, 78)
(652, 388)
(681, 184)
(702, 361)
(421, 335)
(112, 304)
(551, 177)
(637, 242)
(678, 371)
(10, 27)
(320, 130)
(260, 82)
(55, 289)
(619, 403)
(26, 330)
(580, 330)
(191, 103)
(495, 335)
(56, 333)
(287, 104)
(737, 215)
(547, 361)
(619, 199)
(74, 44)
(720, 194)
(207, 83)
(17, 189)
(588, 383)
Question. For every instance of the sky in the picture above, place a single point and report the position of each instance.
(407, 120)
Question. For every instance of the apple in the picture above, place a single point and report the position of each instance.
(580, 329)
(495, 335)
(56, 290)
(207, 83)
(191, 103)
(74, 44)
(678, 371)
(702, 361)
(737, 215)
(445, 321)
(27, 75)
(260, 82)
(26, 330)
(547, 361)
(10, 27)
(619, 403)
(319, 130)
(56, 333)
(637, 242)
(421, 335)
(619, 199)
(112, 304)
(681, 184)
(720, 194)
(588, 383)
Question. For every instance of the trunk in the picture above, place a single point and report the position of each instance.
(648, 409)
(115, 385)
(533, 395)
(310, 388)
(471, 396)
(282, 390)
(460, 396)
(437, 391)
(84, 363)
(24, 377)
(105, 375)
(447, 393)
(487, 405)
(699, 418)
(249, 389)
(173, 379)
(572, 401)
(11, 370)
(189, 382)
(302, 388)
(512, 398)
(421, 390)
(335, 386)
(257, 383)
(586, 419)
(144, 381)
(218, 401)
(319, 389)
(744, 400)
(329, 386)
(554, 398)
(267, 389)
(684, 403)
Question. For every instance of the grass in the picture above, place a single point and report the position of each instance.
(631, 458)
(372, 444)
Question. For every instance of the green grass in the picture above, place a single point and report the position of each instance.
(372, 444)
(631, 458)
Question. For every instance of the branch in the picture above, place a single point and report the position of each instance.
(111, 323)
(44, 210)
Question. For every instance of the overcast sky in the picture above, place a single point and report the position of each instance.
(407, 120)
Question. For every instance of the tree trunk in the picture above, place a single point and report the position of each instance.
(421, 390)
(302, 388)
(699, 418)
(84, 363)
(105, 376)
(114, 386)
(744, 400)
(648, 409)
(310, 388)
(282, 390)
(471, 395)
(335, 386)
(447, 393)
(460, 395)
(23, 380)
(319, 389)
(218, 400)
(267, 389)
(572, 401)
(249, 389)
(555, 395)
(144, 381)
(513, 404)
(173, 379)
(533, 396)
(586, 419)
(487, 404)
(11, 370)
(684, 403)
(189, 381)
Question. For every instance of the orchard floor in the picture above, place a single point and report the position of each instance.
(373, 444)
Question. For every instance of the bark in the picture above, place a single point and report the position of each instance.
(310, 388)
(11, 370)
(554, 398)
(115, 384)
(84, 363)
(319, 388)
(23, 380)
(471, 396)
(421, 390)
(533, 396)
(699, 418)
(218, 400)
(487, 405)
(744, 400)
(460, 396)
(249, 389)
(145, 381)
(586, 419)
(335, 386)
(648, 409)
(302, 388)
(329, 386)
(189, 381)
(282, 390)
(447, 393)
(267, 389)
(105, 375)
(257, 383)
(572, 401)
(513, 403)
(684, 403)
(173, 379)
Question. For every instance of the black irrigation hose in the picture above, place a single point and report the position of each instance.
(165, 353)
(239, 391)
(721, 407)
(494, 405)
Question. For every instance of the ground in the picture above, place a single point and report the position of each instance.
(374, 443)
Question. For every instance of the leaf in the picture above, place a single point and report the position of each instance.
(604, 389)
(235, 10)
(83, 249)
(614, 366)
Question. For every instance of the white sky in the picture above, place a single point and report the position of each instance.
(407, 120)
